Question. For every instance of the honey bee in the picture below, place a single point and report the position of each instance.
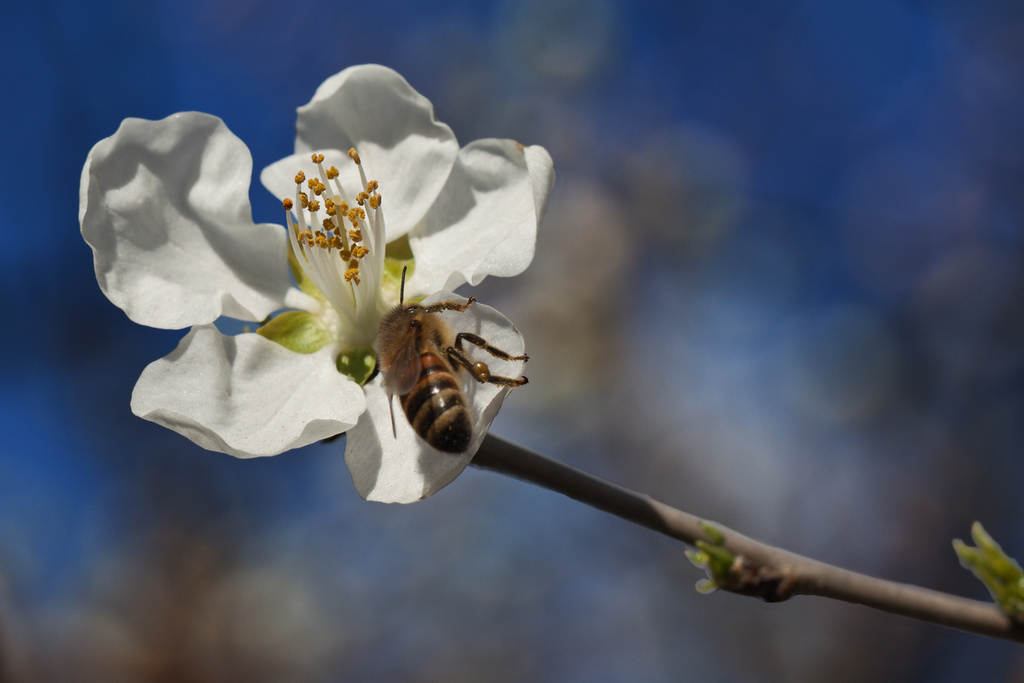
(420, 356)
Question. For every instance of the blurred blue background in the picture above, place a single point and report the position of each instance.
(779, 285)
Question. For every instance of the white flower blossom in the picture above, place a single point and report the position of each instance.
(164, 206)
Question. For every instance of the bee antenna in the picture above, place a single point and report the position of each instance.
(401, 294)
(391, 406)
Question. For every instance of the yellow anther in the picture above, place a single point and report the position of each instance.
(314, 205)
(332, 173)
(354, 155)
(299, 177)
(328, 224)
(345, 254)
(375, 201)
(311, 183)
(352, 274)
(343, 208)
(317, 158)
(353, 214)
(336, 242)
(355, 235)
(331, 210)
(303, 199)
(372, 185)
(362, 215)
(320, 240)
(287, 204)
(359, 251)
(361, 197)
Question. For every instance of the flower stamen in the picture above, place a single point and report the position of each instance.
(351, 279)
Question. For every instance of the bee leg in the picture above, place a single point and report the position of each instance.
(480, 372)
(507, 381)
(450, 306)
(477, 340)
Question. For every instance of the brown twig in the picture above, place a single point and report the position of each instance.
(761, 570)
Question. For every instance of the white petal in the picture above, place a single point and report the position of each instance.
(165, 207)
(246, 395)
(402, 145)
(405, 469)
(485, 220)
(542, 173)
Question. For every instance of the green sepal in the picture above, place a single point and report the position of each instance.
(397, 256)
(302, 281)
(998, 571)
(357, 363)
(298, 331)
(719, 560)
(712, 532)
(399, 249)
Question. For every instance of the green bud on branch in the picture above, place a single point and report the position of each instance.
(999, 572)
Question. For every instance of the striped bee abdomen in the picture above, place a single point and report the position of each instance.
(436, 409)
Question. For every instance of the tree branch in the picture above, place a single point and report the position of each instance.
(762, 570)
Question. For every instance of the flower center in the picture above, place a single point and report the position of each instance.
(343, 252)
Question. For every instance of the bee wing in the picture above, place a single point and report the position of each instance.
(404, 371)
